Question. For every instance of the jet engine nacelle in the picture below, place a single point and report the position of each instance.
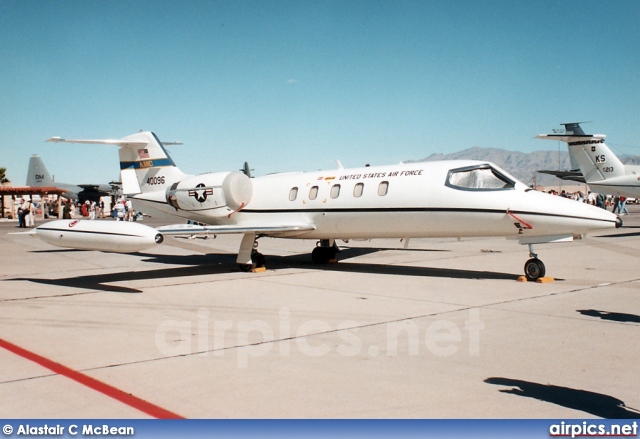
(219, 194)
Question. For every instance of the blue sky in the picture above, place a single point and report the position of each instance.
(294, 85)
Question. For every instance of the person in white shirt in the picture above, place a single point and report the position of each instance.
(129, 206)
(119, 208)
(27, 210)
(92, 210)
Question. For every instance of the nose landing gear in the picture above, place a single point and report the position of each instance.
(534, 268)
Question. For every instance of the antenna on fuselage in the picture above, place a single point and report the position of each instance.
(245, 169)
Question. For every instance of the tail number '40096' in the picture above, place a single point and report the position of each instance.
(155, 180)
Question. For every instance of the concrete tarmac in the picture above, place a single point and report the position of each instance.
(441, 329)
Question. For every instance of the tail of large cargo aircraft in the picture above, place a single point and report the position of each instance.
(37, 175)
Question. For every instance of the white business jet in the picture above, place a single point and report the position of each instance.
(431, 199)
(601, 169)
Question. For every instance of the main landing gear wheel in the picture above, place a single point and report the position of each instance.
(534, 269)
(257, 260)
(324, 252)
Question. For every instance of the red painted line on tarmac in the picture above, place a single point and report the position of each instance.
(106, 389)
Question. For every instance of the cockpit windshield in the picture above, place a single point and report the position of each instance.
(478, 178)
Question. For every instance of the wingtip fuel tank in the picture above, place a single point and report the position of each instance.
(109, 236)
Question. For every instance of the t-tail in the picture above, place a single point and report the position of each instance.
(145, 165)
(589, 152)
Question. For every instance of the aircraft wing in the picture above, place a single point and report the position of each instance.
(566, 175)
(194, 229)
(91, 187)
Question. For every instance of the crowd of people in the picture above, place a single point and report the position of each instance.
(122, 210)
(617, 203)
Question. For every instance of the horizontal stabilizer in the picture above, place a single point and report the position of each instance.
(117, 142)
(566, 175)
(570, 137)
(572, 133)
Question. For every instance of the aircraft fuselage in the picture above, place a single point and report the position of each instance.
(429, 199)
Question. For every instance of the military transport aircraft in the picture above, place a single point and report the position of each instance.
(38, 176)
(431, 199)
(599, 166)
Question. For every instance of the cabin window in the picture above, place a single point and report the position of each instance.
(357, 190)
(479, 178)
(293, 194)
(335, 191)
(313, 193)
(383, 188)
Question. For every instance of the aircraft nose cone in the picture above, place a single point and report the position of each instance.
(618, 222)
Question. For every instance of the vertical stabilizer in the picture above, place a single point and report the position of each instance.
(597, 162)
(37, 175)
(589, 153)
(145, 166)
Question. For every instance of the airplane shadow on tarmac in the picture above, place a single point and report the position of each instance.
(622, 235)
(612, 316)
(597, 404)
(303, 261)
(200, 265)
